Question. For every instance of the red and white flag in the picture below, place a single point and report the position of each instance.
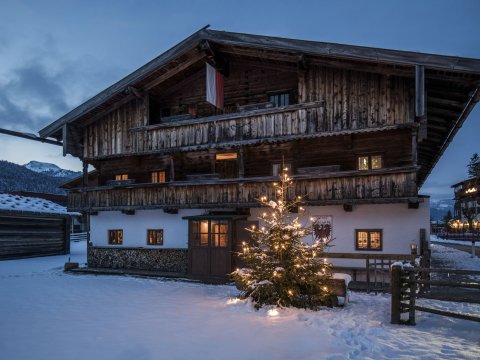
(214, 87)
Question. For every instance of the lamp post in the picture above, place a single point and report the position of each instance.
(413, 251)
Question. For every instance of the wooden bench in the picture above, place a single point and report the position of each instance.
(338, 288)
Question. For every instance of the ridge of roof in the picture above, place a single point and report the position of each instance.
(309, 47)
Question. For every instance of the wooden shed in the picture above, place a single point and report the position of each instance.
(32, 227)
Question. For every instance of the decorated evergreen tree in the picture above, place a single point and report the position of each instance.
(281, 269)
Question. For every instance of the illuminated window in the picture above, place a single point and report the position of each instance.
(155, 237)
(115, 237)
(368, 240)
(210, 232)
(158, 177)
(219, 233)
(121, 177)
(226, 156)
(200, 233)
(369, 162)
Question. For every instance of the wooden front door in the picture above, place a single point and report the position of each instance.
(210, 248)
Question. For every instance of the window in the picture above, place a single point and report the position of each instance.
(115, 237)
(200, 233)
(215, 231)
(277, 169)
(155, 237)
(226, 156)
(121, 177)
(369, 162)
(280, 99)
(219, 233)
(368, 240)
(158, 177)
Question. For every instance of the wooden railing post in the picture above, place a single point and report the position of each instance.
(396, 284)
(413, 294)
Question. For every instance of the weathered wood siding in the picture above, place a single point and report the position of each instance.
(355, 99)
(330, 100)
(33, 235)
(369, 187)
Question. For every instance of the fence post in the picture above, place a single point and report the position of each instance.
(396, 284)
(367, 265)
(413, 294)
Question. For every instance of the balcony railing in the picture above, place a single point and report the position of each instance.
(393, 185)
(267, 125)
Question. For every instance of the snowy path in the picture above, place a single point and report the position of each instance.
(46, 314)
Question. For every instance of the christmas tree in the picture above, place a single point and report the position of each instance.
(281, 269)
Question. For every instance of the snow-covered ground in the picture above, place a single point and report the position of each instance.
(450, 241)
(46, 314)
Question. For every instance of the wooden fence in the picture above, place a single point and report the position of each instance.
(407, 284)
(83, 236)
(375, 271)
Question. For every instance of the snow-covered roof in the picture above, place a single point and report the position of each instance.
(31, 204)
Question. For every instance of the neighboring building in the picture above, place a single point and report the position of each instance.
(467, 206)
(32, 227)
(176, 178)
(56, 198)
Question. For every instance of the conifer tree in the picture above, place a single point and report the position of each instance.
(280, 268)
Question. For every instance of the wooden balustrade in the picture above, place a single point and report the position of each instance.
(112, 137)
(357, 187)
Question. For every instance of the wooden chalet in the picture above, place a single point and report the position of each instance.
(467, 205)
(176, 178)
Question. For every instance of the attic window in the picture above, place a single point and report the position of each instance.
(121, 177)
(280, 99)
(226, 156)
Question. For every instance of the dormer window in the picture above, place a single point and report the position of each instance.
(159, 177)
(369, 162)
(121, 177)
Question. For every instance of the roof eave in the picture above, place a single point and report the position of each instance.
(120, 85)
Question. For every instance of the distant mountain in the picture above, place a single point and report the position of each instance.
(439, 208)
(51, 170)
(45, 178)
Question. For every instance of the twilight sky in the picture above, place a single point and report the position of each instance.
(56, 54)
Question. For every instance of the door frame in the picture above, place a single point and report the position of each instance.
(231, 220)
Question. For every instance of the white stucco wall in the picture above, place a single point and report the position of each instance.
(175, 229)
(400, 225)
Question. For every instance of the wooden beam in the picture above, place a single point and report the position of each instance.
(64, 139)
(419, 91)
(174, 71)
(29, 137)
(84, 174)
(241, 167)
(172, 169)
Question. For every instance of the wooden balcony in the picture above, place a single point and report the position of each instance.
(288, 123)
(388, 185)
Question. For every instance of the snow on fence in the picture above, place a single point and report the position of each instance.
(408, 283)
(78, 236)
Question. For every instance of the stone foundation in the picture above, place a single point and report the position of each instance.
(164, 260)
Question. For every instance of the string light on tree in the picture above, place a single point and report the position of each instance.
(280, 268)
